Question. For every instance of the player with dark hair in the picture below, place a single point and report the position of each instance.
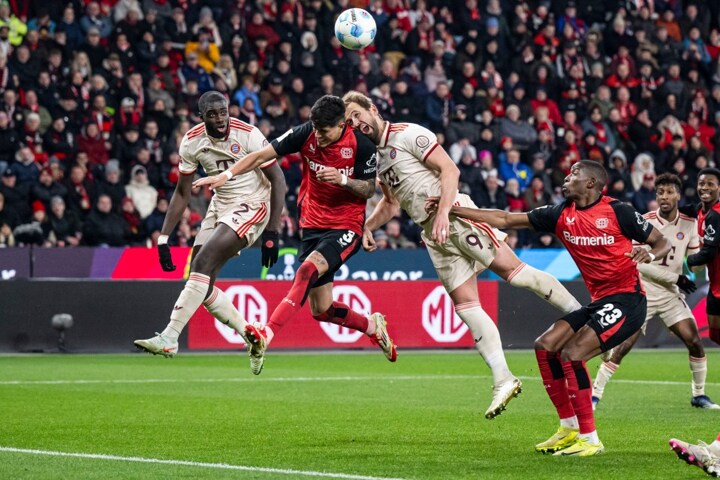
(240, 212)
(598, 232)
(412, 167)
(663, 281)
(708, 189)
(338, 178)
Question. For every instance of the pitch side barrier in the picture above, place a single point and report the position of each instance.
(108, 315)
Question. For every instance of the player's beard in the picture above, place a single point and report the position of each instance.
(371, 130)
(214, 132)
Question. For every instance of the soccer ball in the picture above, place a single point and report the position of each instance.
(355, 28)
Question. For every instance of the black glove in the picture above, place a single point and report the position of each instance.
(270, 248)
(685, 284)
(165, 258)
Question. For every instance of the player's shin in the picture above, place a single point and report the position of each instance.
(341, 314)
(580, 392)
(189, 300)
(487, 339)
(220, 307)
(305, 277)
(605, 372)
(544, 286)
(553, 377)
(698, 367)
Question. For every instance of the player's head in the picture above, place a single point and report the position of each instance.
(213, 109)
(362, 114)
(585, 177)
(668, 190)
(708, 186)
(328, 119)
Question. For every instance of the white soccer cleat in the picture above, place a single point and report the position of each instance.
(256, 338)
(502, 394)
(698, 455)
(158, 345)
(381, 336)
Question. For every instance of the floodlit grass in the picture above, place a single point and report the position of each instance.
(421, 418)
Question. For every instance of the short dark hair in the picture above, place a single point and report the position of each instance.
(596, 171)
(710, 171)
(210, 97)
(669, 179)
(328, 111)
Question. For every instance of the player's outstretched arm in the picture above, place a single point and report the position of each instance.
(178, 204)
(249, 162)
(440, 161)
(494, 218)
(271, 235)
(660, 246)
(387, 208)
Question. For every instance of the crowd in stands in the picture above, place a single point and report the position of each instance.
(95, 97)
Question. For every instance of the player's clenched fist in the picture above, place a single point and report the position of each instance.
(640, 255)
(330, 175)
(368, 241)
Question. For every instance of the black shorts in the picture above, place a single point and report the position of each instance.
(614, 318)
(335, 245)
(712, 304)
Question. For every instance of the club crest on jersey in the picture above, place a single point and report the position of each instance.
(235, 148)
(680, 235)
(393, 153)
(601, 223)
(346, 152)
(422, 141)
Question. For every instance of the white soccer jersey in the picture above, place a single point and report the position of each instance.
(217, 155)
(683, 237)
(401, 164)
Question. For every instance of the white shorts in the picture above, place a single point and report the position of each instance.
(671, 310)
(471, 248)
(248, 219)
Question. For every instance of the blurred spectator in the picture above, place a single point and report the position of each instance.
(395, 238)
(47, 188)
(81, 191)
(61, 228)
(521, 132)
(103, 227)
(645, 194)
(17, 196)
(492, 196)
(142, 194)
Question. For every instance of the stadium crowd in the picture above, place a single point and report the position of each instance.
(95, 97)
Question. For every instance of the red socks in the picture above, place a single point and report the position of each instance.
(551, 371)
(341, 314)
(580, 391)
(305, 278)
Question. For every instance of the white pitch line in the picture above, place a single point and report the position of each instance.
(187, 463)
(308, 379)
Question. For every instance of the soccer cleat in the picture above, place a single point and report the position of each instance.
(563, 438)
(581, 448)
(595, 401)
(703, 401)
(502, 394)
(158, 345)
(257, 344)
(698, 455)
(381, 337)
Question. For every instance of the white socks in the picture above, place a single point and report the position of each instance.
(220, 307)
(571, 422)
(189, 300)
(591, 437)
(487, 339)
(698, 367)
(544, 286)
(605, 372)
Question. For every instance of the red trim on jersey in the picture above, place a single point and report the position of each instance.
(609, 333)
(351, 248)
(387, 135)
(273, 162)
(485, 228)
(188, 173)
(198, 277)
(257, 218)
(213, 296)
(398, 127)
(515, 272)
(239, 124)
(196, 127)
(196, 133)
(427, 154)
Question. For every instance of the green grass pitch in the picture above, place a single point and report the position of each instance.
(352, 415)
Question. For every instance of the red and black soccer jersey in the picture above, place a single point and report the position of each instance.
(709, 231)
(597, 237)
(324, 205)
